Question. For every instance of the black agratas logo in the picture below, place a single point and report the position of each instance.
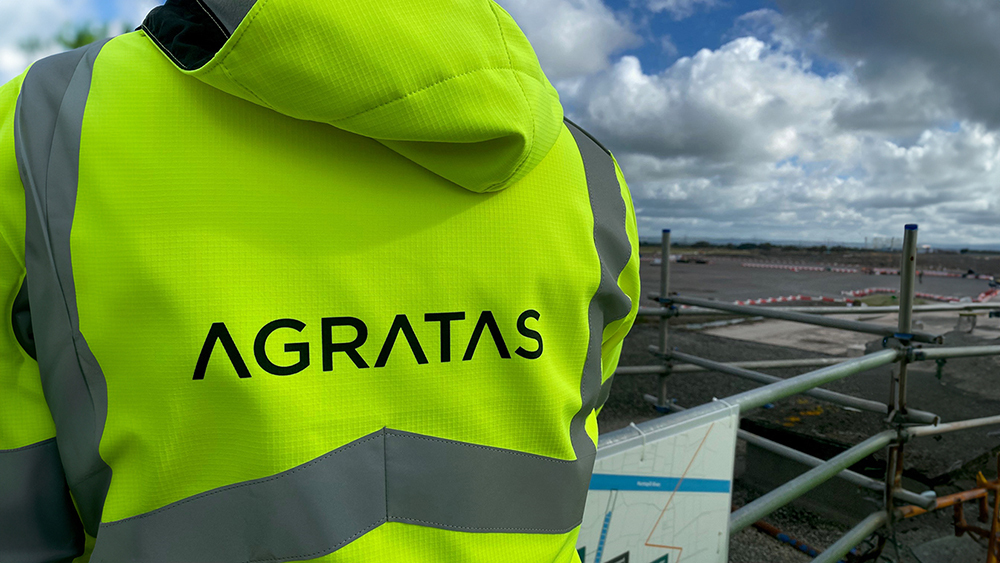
(219, 333)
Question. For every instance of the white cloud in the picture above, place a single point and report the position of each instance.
(680, 9)
(571, 37)
(947, 50)
(742, 102)
(748, 141)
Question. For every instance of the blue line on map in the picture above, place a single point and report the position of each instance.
(605, 482)
(604, 536)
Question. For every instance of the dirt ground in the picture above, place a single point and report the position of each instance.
(961, 389)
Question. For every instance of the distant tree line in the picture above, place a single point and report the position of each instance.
(765, 246)
(74, 37)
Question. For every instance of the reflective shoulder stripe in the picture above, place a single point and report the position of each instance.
(320, 506)
(47, 131)
(230, 12)
(609, 303)
(37, 518)
(610, 234)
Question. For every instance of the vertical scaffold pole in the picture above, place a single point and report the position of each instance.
(663, 400)
(897, 400)
(907, 279)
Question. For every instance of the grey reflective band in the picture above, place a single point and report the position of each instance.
(614, 250)
(230, 12)
(320, 506)
(605, 392)
(47, 130)
(37, 518)
(468, 487)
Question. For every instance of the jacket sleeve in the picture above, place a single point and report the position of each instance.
(38, 522)
(628, 282)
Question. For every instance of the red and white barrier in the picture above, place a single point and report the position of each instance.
(795, 268)
(868, 291)
(987, 295)
(984, 296)
(790, 298)
(837, 268)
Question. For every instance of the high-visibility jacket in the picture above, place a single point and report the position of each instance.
(305, 280)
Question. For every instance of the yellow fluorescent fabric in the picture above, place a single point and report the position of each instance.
(375, 162)
(467, 100)
(24, 416)
(325, 224)
(416, 544)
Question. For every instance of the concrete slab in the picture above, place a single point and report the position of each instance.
(797, 335)
(948, 549)
(841, 342)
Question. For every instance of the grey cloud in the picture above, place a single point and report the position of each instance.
(953, 45)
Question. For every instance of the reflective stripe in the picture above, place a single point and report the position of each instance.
(605, 391)
(37, 518)
(320, 506)
(609, 302)
(230, 12)
(468, 487)
(47, 130)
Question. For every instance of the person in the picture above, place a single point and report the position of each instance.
(304, 280)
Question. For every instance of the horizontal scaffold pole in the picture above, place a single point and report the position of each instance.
(915, 431)
(765, 364)
(823, 394)
(847, 475)
(754, 364)
(799, 383)
(918, 354)
(809, 480)
(854, 326)
(626, 438)
(842, 310)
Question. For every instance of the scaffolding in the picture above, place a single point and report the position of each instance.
(903, 422)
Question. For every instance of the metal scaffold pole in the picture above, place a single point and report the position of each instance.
(901, 346)
(663, 400)
(903, 337)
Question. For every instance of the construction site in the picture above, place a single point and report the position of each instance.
(850, 396)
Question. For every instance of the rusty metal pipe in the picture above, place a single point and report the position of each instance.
(942, 502)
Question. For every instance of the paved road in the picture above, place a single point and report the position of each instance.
(727, 279)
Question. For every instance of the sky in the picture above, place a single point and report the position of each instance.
(784, 120)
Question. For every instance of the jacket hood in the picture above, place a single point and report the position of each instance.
(452, 85)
